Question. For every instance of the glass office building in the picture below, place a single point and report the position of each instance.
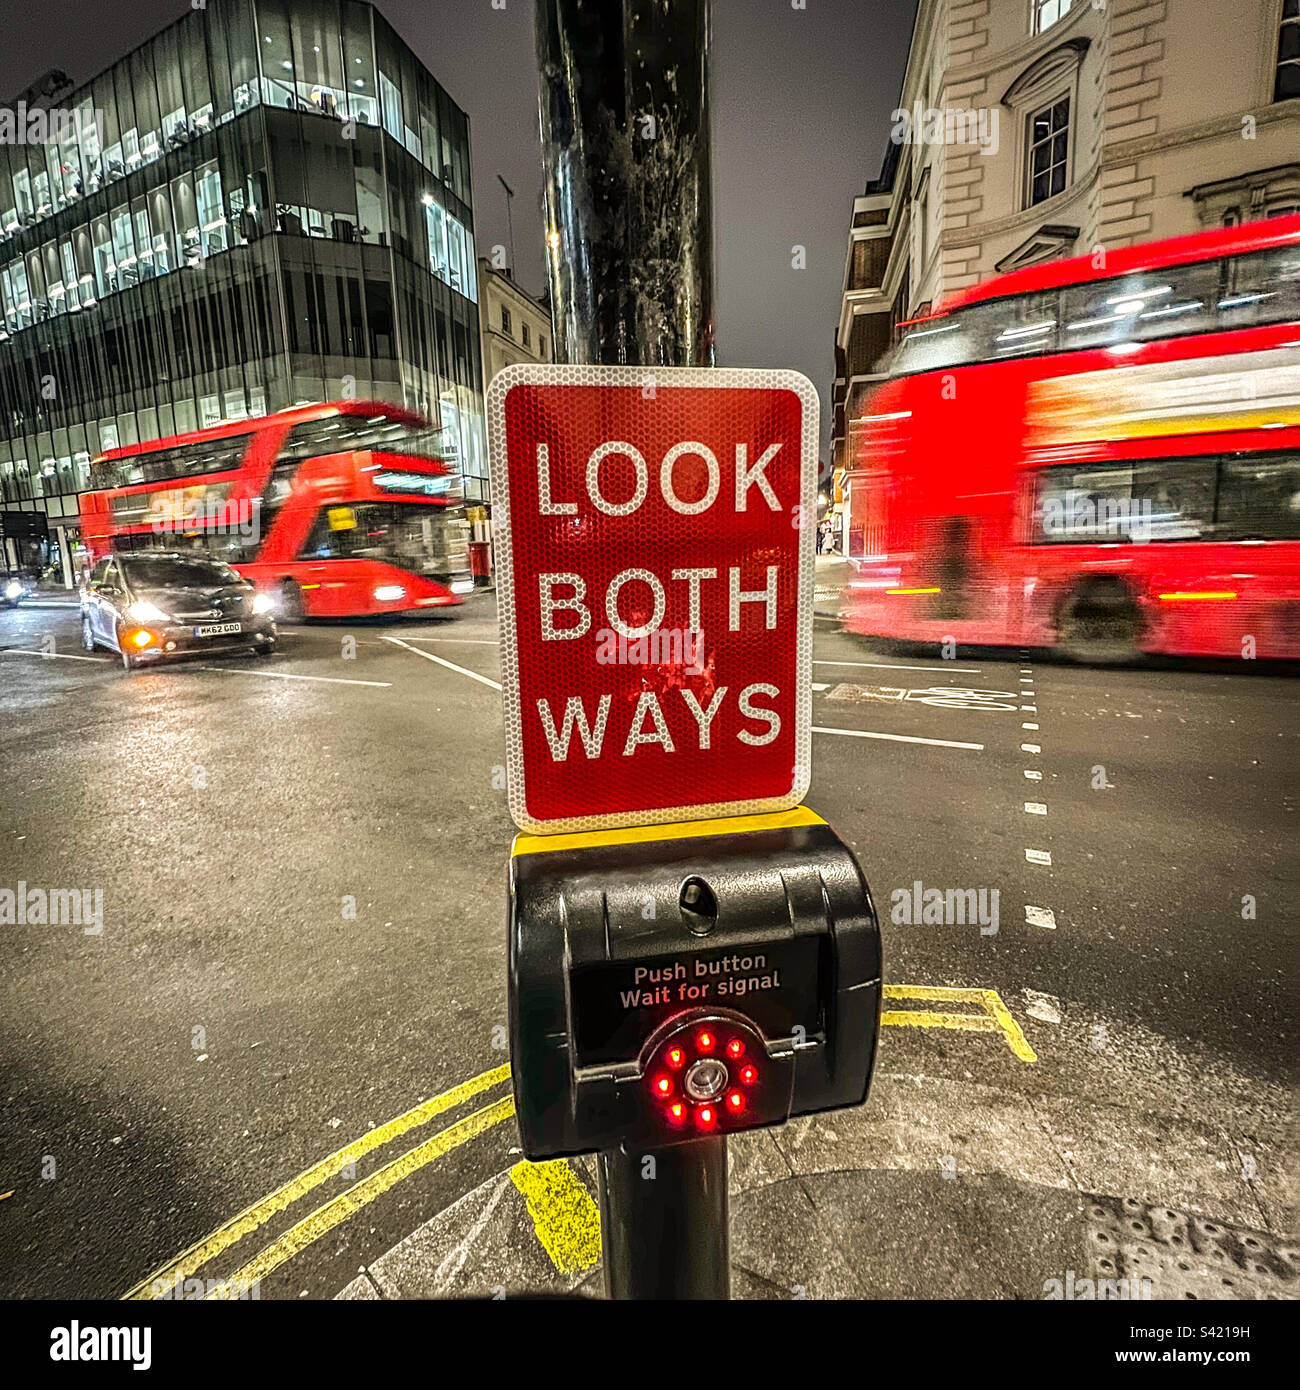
(268, 203)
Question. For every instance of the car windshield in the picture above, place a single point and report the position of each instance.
(169, 572)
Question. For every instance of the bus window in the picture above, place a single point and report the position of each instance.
(1138, 308)
(1263, 287)
(1122, 503)
(1259, 497)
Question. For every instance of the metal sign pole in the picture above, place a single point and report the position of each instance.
(625, 141)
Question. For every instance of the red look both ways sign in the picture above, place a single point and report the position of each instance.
(655, 538)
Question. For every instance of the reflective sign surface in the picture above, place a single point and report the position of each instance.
(655, 543)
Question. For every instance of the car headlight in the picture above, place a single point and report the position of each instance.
(262, 603)
(142, 611)
(389, 593)
(462, 586)
(13, 589)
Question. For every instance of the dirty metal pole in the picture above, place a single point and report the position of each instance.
(629, 211)
(629, 243)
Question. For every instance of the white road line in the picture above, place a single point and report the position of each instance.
(1029, 709)
(450, 665)
(1026, 694)
(1040, 917)
(885, 666)
(287, 676)
(1039, 856)
(820, 686)
(463, 641)
(1036, 808)
(898, 738)
(1033, 774)
(62, 656)
(1031, 747)
(1029, 726)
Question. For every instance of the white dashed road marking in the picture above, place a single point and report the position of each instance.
(1039, 856)
(894, 738)
(62, 656)
(1036, 808)
(450, 665)
(286, 676)
(1040, 917)
(885, 666)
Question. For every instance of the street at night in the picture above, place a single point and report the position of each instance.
(302, 865)
(648, 655)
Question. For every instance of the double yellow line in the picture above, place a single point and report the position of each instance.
(995, 1018)
(334, 1212)
(563, 1214)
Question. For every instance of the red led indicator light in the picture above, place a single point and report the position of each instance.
(663, 1085)
(735, 1102)
(735, 1048)
(677, 1113)
(749, 1074)
(706, 1117)
(705, 1041)
(675, 1057)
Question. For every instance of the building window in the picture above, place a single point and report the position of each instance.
(1048, 150)
(1287, 82)
(505, 319)
(1048, 12)
(523, 331)
(541, 346)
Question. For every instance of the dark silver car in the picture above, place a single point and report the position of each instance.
(149, 605)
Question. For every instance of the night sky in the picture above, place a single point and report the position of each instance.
(801, 120)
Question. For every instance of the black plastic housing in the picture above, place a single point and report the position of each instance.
(590, 929)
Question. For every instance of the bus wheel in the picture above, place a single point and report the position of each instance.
(291, 609)
(1100, 623)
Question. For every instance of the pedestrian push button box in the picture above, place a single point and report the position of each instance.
(680, 982)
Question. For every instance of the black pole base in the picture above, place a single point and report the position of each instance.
(663, 1221)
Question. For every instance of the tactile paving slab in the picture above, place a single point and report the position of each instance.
(1187, 1256)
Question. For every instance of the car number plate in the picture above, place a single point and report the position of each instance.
(218, 629)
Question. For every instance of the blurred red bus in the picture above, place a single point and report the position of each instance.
(335, 510)
(1104, 459)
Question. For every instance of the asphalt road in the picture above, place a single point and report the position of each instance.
(302, 865)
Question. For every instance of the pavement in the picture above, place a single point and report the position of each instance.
(282, 1060)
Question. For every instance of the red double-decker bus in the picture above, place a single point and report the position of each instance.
(334, 510)
(1101, 457)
